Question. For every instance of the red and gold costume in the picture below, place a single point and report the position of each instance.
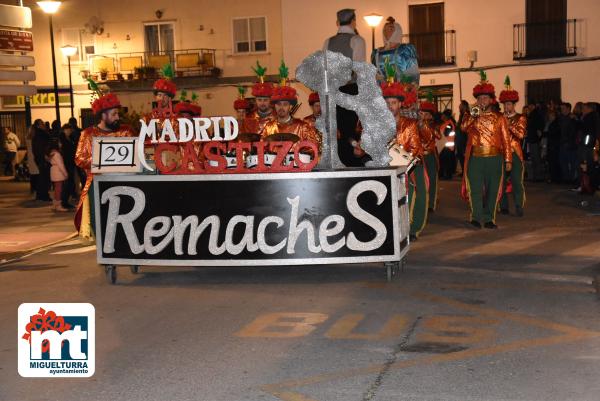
(488, 150)
(430, 133)
(300, 128)
(255, 121)
(517, 127)
(294, 126)
(83, 159)
(488, 135)
(407, 136)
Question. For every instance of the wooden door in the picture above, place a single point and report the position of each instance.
(546, 30)
(426, 28)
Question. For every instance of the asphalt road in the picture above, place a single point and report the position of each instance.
(477, 315)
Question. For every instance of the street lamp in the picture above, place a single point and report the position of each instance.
(69, 51)
(51, 7)
(373, 20)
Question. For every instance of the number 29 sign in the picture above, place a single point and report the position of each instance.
(115, 155)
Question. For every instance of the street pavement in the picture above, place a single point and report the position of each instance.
(27, 225)
(507, 314)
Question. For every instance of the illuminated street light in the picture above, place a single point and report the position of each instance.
(51, 7)
(69, 51)
(373, 20)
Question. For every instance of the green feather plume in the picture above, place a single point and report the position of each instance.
(259, 70)
(183, 95)
(94, 87)
(284, 71)
(429, 95)
(482, 76)
(390, 70)
(167, 71)
(194, 97)
(405, 79)
(241, 91)
(507, 81)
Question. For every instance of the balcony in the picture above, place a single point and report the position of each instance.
(136, 66)
(540, 40)
(434, 49)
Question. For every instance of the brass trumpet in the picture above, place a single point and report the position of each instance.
(475, 110)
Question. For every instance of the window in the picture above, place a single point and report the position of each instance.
(546, 32)
(249, 35)
(159, 38)
(543, 90)
(426, 27)
(82, 40)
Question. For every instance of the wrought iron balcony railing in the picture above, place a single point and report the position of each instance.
(146, 65)
(434, 48)
(550, 39)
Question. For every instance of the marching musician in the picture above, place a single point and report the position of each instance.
(430, 133)
(399, 97)
(284, 98)
(164, 92)
(517, 126)
(262, 91)
(488, 156)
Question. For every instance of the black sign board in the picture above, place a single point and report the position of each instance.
(256, 219)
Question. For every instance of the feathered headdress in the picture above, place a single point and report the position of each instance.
(188, 106)
(261, 88)
(391, 88)
(313, 98)
(284, 92)
(241, 102)
(484, 87)
(429, 104)
(101, 101)
(508, 94)
(166, 84)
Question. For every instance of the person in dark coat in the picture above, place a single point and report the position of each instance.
(40, 141)
(587, 141)
(535, 127)
(75, 135)
(552, 133)
(67, 150)
(568, 144)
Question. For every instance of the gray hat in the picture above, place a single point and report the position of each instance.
(345, 16)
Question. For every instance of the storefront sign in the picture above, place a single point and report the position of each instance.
(256, 219)
(11, 40)
(44, 98)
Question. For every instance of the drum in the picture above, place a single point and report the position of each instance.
(283, 138)
(251, 161)
(402, 158)
(305, 158)
(289, 159)
(248, 137)
(231, 160)
(269, 158)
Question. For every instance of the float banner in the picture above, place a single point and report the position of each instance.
(346, 216)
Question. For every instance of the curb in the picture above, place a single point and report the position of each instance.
(16, 256)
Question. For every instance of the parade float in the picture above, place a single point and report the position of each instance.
(231, 198)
